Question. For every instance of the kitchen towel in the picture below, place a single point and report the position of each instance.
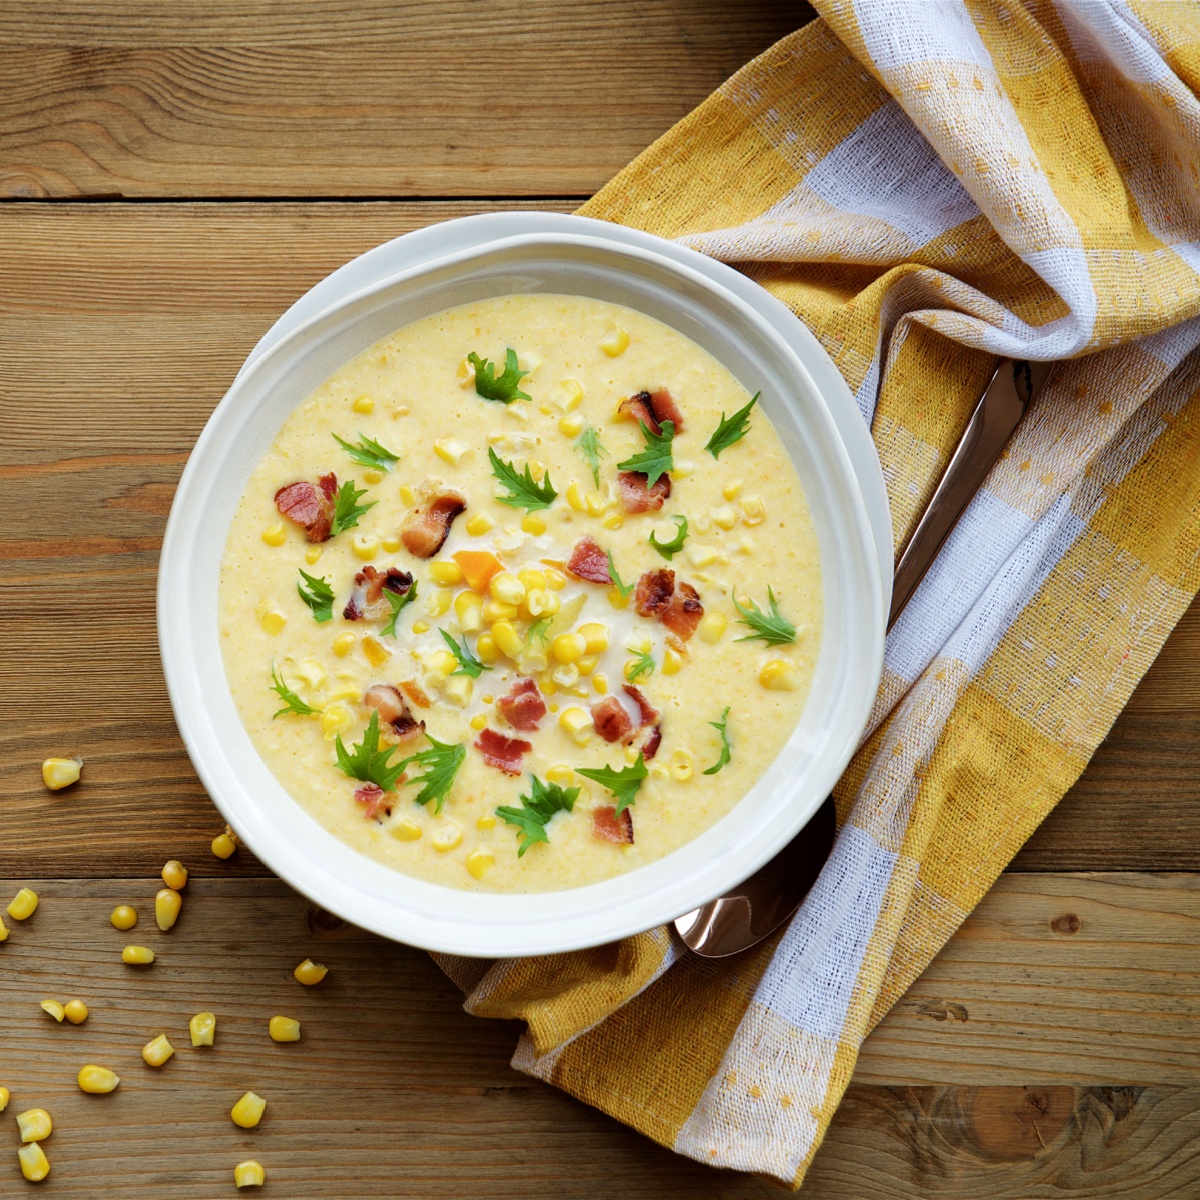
(928, 185)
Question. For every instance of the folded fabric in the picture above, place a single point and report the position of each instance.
(928, 185)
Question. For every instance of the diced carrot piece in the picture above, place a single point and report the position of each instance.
(478, 567)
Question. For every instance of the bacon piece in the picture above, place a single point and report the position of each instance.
(523, 707)
(500, 752)
(653, 741)
(684, 612)
(654, 592)
(415, 693)
(639, 408)
(665, 408)
(636, 497)
(366, 600)
(374, 800)
(389, 703)
(611, 720)
(649, 713)
(608, 827)
(589, 562)
(427, 527)
(309, 505)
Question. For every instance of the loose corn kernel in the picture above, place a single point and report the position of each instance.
(75, 1011)
(420, 627)
(450, 450)
(485, 822)
(346, 691)
(732, 489)
(600, 683)
(313, 674)
(438, 601)
(392, 544)
(4, 1098)
(571, 425)
(167, 903)
(566, 676)
(364, 404)
(377, 653)
(3, 931)
(335, 718)
(493, 612)
(468, 607)
(542, 603)
(275, 535)
(446, 837)
(587, 664)
(156, 1051)
(613, 520)
(754, 511)
(224, 844)
(575, 497)
(313, 554)
(507, 588)
(97, 1081)
(532, 523)
(616, 599)
(203, 1029)
(123, 917)
(441, 661)
(681, 765)
(58, 773)
(701, 556)
(569, 647)
(445, 572)
(284, 1029)
(478, 722)
(712, 627)
(595, 636)
(459, 689)
(479, 862)
(365, 546)
(309, 972)
(373, 475)
(343, 644)
(614, 342)
(273, 621)
(532, 578)
(683, 468)
(507, 638)
(486, 650)
(248, 1111)
(703, 524)
(139, 956)
(479, 524)
(672, 661)
(779, 675)
(35, 1166)
(724, 517)
(548, 687)
(248, 1174)
(405, 830)
(570, 394)
(465, 373)
(577, 722)
(595, 504)
(407, 496)
(34, 1124)
(54, 1009)
(555, 580)
(174, 873)
(23, 904)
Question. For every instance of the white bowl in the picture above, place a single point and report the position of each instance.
(280, 375)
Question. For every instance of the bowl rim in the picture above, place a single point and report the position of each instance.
(481, 933)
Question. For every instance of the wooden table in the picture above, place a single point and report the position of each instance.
(173, 176)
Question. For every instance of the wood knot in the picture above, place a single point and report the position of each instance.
(322, 923)
(1068, 925)
(943, 1010)
(1008, 1124)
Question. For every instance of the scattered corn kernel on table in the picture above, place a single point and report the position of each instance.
(172, 177)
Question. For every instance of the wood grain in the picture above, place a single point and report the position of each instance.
(394, 1091)
(338, 99)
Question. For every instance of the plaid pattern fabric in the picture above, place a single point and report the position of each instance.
(928, 185)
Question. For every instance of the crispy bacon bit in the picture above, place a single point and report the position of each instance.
(665, 408)
(523, 707)
(608, 827)
(374, 800)
(638, 408)
(653, 741)
(366, 600)
(415, 693)
(389, 703)
(636, 497)
(611, 720)
(500, 752)
(309, 505)
(654, 592)
(589, 562)
(649, 713)
(426, 528)
(684, 612)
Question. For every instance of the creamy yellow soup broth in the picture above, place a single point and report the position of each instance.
(422, 440)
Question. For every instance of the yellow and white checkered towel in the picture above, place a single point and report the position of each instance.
(928, 185)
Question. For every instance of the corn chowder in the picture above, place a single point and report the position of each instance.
(524, 597)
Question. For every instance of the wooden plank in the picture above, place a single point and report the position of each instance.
(338, 99)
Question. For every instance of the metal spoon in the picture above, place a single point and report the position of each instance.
(759, 905)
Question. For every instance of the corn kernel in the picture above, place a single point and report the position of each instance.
(284, 1029)
(703, 524)
(407, 496)
(478, 722)
(683, 468)
(273, 621)
(203, 1029)
(555, 580)
(75, 1011)
(681, 766)
(224, 844)
(97, 1081)
(616, 599)
(479, 862)
(569, 647)
(595, 504)
(58, 773)
(441, 661)
(587, 664)
(631, 757)
(479, 524)
(446, 837)
(420, 627)
(174, 873)
(365, 546)
(248, 1111)
(343, 644)
(450, 450)
(167, 903)
(754, 511)
(373, 475)
(34, 1124)
(712, 628)
(335, 718)
(506, 637)
(569, 395)
(364, 404)
(595, 637)
(54, 1009)
(732, 489)
(533, 524)
(600, 683)
(657, 770)
(465, 373)
(613, 520)
(377, 653)
(446, 572)
(309, 972)
(275, 535)
(507, 588)
(493, 612)
(156, 1051)
(4, 1098)
(672, 662)
(405, 830)
(248, 1173)
(35, 1166)
(468, 607)
(571, 425)
(3, 931)
(614, 342)
(313, 674)
(486, 650)
(137, 955)
(548, 687)
(438, 601)
(779, 675)
(313, 554)
(701, 556)
(485, 822)
(575, 497)
(22, 905)
(577, 722)
(724, 517)
(123, 917)
(459, 689)
(392, 544)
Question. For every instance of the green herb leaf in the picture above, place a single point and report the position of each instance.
(369, 453)
(440, 761)
(726, 748)
(731, 430)
(655, 461)
(523, 492)
(494, 386)
(368, 762)
(346, 508)
(623, 588)
(468, 664)
(318, 597)
(643, 668)
(669, 549)
(538, 630)
(623, 784)
(544, 802)
(399, 601)
(588, 444)
(291, 702)
(773, 628)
